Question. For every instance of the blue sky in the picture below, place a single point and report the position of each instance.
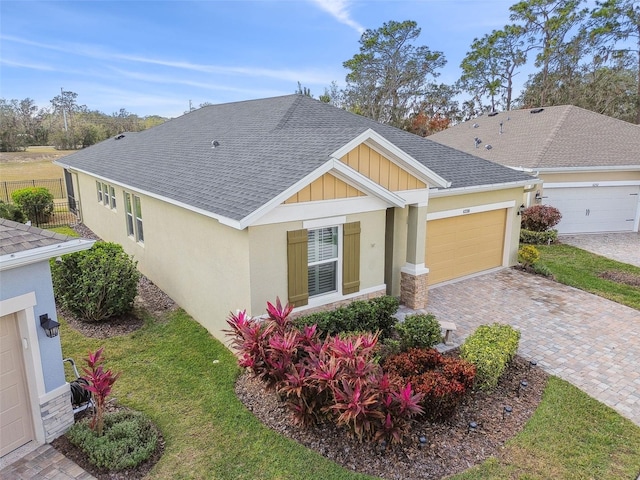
(152, 57)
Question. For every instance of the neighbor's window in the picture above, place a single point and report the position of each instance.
(129, 214)
(113, 196)
(99, 190)
(323, 260)
(138, 213)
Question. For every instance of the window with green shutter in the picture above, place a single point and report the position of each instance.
(297, 267)
(351, 258)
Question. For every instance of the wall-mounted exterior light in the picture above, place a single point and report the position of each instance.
(50, 327)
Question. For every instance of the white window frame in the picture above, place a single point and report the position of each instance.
(99, 190)
(137, 205)
(128, 213)
(337, 260)
(112, 194)
(105, 195)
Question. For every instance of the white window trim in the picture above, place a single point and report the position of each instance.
(112, 197)
(136, 219)
(99, 190)
(322, 298)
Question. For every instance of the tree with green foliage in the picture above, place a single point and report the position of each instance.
(388, 78)
(488, 69)
(96, 284)
(546, 24)
(35, 202)
(614, 28)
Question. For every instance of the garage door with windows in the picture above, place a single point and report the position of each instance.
(16, 427)
(594, 209)
(464, 244)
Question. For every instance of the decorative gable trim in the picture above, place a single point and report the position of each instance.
(387, 149)
(338, 169)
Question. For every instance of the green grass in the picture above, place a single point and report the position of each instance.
(169, 373)
(579, 268)
(65, 231)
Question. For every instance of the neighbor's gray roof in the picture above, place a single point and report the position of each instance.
(556, 137)
(17, 237)
(265, 147)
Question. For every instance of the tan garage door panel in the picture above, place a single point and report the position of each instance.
(15, 419)
(466, 244)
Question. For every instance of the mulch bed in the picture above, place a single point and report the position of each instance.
(450, 448)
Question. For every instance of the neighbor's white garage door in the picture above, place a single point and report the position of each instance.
(594, 209)
(15, 419)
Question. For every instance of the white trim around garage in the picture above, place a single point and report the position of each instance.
(608, 183)
(22, 307)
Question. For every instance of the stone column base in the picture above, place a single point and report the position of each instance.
(414, 290)
(57, 415)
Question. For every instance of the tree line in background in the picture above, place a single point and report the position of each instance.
(65, 124)
(585, 57)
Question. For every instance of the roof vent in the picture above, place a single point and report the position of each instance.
(475, 125)
(120, 137)
(477, 141)
(215, 144)
(492, 114)
(537, 110)
(488, 147)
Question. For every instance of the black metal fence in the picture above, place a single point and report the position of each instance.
(54, 185)
(63, 214)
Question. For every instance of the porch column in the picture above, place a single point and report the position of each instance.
(413, 276)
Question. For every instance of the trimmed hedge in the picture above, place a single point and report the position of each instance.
(490, 348)
(35, 202)
(538, 238)
(419, 331)
(359, 316)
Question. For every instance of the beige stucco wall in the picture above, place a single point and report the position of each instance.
(268, 257)
(201, 264)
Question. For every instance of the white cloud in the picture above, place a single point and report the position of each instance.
(339, 9)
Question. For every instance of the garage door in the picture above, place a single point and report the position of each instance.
(594, 209)
(466, 244)
(15, 419)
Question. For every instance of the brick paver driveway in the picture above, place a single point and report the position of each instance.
(587, 340)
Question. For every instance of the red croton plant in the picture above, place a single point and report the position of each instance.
(335, 379)
(100, 385)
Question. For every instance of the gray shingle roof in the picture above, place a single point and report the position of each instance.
(17, 237)
(265, 146)
(557, 137)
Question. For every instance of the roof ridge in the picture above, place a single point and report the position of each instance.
(550, 139)
(289, 113)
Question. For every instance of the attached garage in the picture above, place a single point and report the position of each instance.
(461, 245)
(16, 426)
(593, 208)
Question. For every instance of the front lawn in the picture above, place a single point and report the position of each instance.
(175, 372)
(581, 269)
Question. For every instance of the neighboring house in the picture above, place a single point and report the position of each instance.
(231, 205)
(35, 402)
(590, 163)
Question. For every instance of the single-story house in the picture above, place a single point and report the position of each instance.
(231, 205)
(590, 163)
(35, 401)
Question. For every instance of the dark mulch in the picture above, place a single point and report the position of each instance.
(627, 278)
(450, 448)
(69, 450)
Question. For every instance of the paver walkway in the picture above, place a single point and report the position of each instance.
(624, 247)
(44, 462)
(587, 340)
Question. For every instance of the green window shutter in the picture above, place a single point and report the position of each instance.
(298, 271)
(351, 258)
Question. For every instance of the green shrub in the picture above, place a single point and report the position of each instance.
(96, 284)
(528, 255)
(538, 238)
(419, 331)
(358, 316)
(11, 212)
(490, 348)
(129, 439)
(35, 202)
